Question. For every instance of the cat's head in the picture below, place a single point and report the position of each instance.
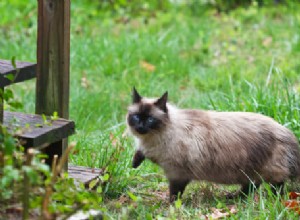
(147, 115)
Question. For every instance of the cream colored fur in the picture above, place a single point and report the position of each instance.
(222, 147)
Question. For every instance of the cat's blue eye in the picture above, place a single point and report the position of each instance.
(135, 118)
(150, 120)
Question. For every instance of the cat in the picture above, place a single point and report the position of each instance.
(222, 147)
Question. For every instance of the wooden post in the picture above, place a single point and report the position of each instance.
(1, 104)
(53, 62)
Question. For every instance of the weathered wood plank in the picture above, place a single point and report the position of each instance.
(9, 75)
(84, 174)
(53, 59)
(24, 71)
(86, 215)
(35, 132)
(1, 104)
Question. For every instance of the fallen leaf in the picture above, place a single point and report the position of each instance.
(221, 213)
(147, 66)
(113, 139)
(84, 81)
(162, 195)
(294, 195)
(266, 42)
(293, 205)
(217, 214)
(123, 199)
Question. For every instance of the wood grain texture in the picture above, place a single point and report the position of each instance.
(24, 71)
(84, 174)
(53, 62)
(87, 214)
(53, 57)
(34, 132)
(1, 104)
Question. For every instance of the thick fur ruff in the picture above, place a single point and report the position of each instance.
(221, 147)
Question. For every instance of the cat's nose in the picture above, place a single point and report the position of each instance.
(141, 129)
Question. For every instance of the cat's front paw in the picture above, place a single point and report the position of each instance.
(138, 158)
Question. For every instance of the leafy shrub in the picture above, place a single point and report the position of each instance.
(133, 7)
(136, 7)
(29, 188)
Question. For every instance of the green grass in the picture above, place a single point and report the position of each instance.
(247, 60)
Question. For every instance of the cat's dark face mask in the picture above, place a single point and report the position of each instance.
(143, 123)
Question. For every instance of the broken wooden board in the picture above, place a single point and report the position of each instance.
(34, 131)
(10, 75)
(84, 174)
(86, 215)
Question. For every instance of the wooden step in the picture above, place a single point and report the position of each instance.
(84, 174)
(10, 75)
(87, 215)
(34, 131)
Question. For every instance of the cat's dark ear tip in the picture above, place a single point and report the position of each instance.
(162, 102)
(165, 95)
(135, 95)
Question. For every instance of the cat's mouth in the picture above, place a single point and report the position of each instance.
(141, 130)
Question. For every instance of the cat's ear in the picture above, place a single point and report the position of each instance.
(136, 98)
(162, 102)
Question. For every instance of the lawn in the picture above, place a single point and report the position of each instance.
(244, 60)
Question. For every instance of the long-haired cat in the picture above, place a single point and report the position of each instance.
(222, 147)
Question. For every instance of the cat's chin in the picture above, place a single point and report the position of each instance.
(139, 133)
(143, 133)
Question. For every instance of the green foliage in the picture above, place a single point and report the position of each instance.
(27, 184)
(246, 59)
(22, 181)
(148, 8)
(133, 7)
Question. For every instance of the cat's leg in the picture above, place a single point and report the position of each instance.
(176, 188)
(138, 158)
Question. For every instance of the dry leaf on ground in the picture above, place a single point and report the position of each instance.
(293, 203)
(222, 213)
(123, 199)
(114, 140)
(84, 81)
(267, 41)
(147, 66)
(294, 195)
